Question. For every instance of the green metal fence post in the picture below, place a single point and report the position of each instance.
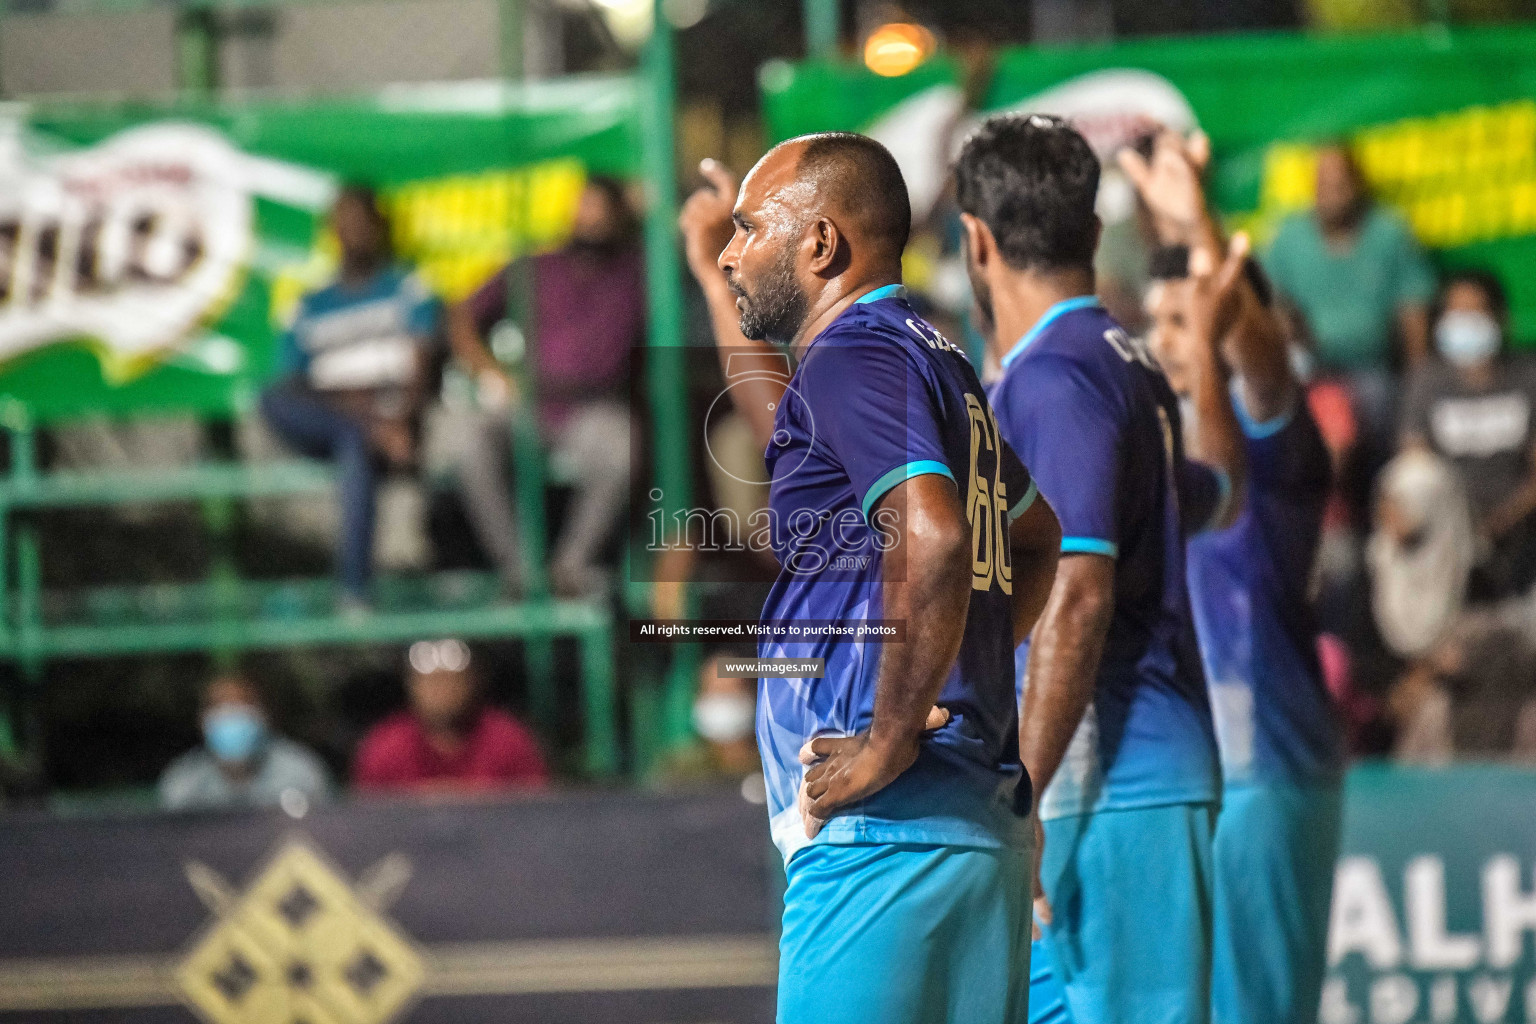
(821, 19)
(667, 380)
(600, 704)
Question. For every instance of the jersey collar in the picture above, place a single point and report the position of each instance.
(890, 291)
(1062, 307)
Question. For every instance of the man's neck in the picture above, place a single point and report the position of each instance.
(1025, 297)
(837, 296)
(358, 272)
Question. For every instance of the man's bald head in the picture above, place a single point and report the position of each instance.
(818, 215)
(859, 179)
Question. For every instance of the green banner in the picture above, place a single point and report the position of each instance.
(147, 253)
(1434, 902)
(1444, 124)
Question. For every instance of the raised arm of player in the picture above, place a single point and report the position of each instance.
(926, 584)
(707, 227)
(1226, 317)
(1216, 439)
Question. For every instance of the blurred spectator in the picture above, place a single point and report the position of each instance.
(354, 362)
(1358, 277)
(447, 740)
(1472, 696)
(242, 762)
(588, 310)
(724, 716)
(1474, 408)
(1420, 553)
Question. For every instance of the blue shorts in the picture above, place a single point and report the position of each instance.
(905, 934)
(1275, 853)
(1130, 935)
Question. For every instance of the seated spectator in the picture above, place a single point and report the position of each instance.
(1358, 278)
(354, 362)
(1475, 407)
(588, 311)
(447, 740)
(724, 716)
(1471, 696)
(242, 762)
(1420, 553)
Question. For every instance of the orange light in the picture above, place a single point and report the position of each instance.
(897, 48)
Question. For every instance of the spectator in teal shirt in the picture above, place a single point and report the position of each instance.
(1358, 279)
(1354, 271)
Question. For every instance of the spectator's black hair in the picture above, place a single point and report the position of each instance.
(1484, 280)
(616, 193)
(860, 177)
(1032, 180)
(1171, 263)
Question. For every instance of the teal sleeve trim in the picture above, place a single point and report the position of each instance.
(1258, 430)
(899, 474)
(1022, 505)
(1089, 546)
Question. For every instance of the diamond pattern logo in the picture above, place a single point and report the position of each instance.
(300, 946)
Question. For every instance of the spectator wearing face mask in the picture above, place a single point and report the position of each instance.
(448, 739)
(242, 762)
(724, 716)
(1475, 407)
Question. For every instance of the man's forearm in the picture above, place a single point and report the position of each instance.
(1059, 676)
(1035, 546)
(927, 585)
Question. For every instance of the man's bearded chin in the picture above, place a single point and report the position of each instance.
(776, 311)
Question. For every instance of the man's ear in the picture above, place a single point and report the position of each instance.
(824, 244)
(979, 243)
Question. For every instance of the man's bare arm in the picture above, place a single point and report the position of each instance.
(1064, 662)
(1035, 542)
(706, 225)
(1216, 438)
(926, 583)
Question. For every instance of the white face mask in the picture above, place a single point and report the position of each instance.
(723, 717)
(1466, 336)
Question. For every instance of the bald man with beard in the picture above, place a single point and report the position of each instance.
(895, 789)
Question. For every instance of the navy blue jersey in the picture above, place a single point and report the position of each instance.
(1092, 415)
(880, 397)
(1275, 721)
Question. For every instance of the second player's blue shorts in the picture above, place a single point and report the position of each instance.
(1275, 853)
(1130, 936)
(905, 934)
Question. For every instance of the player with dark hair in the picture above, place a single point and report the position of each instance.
(1281, 748)
(1116, 726)
(894, 785)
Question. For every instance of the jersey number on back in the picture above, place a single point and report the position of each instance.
(986, 503)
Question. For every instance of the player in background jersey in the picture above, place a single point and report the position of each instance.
(907, 849)
(1116, 725)
(1281, 748)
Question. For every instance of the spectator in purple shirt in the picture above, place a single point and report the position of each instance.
(587, 305)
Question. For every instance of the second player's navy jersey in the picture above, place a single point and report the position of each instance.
(1275, 721)
(881, 397)
(1092, 415)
